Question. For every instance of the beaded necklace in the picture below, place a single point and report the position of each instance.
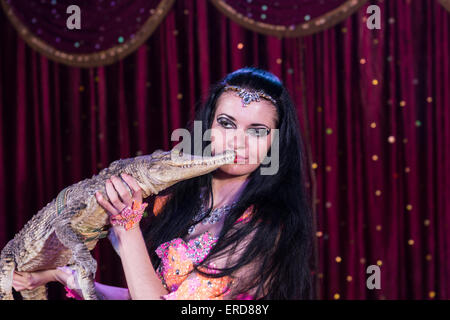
(211, 218)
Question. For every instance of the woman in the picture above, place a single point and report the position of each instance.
(235, 233)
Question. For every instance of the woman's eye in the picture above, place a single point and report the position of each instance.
(224, 123)
(259, 132)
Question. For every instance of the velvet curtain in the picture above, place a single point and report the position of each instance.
(378, 104)
(373, 106)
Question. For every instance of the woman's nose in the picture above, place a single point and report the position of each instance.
(237, 140)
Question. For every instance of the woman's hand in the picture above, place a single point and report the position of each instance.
(119, 197)
(32, 280)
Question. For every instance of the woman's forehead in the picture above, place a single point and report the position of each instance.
(263, 112)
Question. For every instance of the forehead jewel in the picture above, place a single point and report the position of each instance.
(249, 95)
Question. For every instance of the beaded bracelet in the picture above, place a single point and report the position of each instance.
(129, 216)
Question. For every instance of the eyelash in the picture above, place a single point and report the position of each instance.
(265, 132)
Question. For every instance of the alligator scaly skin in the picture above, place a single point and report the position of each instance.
(67, 228)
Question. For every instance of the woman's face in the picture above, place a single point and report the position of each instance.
(247, 130)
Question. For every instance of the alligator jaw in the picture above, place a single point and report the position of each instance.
(172, 167)
(191, 161)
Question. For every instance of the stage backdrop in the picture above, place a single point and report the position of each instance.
(373, 106)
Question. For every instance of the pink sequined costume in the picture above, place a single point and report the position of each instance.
(178, 258)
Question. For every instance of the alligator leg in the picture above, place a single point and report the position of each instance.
(84, 263)
(7, 267)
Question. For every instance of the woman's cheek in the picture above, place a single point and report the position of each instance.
(258, 150)
(218, 143)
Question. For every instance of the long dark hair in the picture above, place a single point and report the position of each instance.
(281, 221)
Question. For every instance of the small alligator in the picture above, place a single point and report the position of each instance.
(66, 229)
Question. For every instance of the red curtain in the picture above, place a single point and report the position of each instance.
(378, 105)
(373, 105)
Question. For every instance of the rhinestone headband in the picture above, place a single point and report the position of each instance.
(248, 95)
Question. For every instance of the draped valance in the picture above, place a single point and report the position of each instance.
(112, 29)
(288, 18)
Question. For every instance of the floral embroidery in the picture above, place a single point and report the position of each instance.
(177, 261)
(201, 287)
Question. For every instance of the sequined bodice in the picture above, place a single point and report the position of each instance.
(178, 257)
(195, 249)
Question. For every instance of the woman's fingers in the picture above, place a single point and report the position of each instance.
(118, 194)
(21, 281)
(17, 275)
(122, 190)
(18, 286)
(18, 280)
(22, 277)
(113, 196)
(105, 203)
(137, 191)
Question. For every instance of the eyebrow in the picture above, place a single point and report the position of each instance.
(253, 124)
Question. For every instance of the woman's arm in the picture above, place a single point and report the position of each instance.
(32, 280)
(108, 292)
(112, 293)
(143, 282)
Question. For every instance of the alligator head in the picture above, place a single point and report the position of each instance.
(166, 168)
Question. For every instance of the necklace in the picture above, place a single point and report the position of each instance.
(211, 218)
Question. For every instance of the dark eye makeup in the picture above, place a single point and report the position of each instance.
(228, 124)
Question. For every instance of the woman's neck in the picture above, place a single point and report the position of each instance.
(227, 188)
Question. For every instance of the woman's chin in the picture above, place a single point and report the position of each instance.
(237, 169)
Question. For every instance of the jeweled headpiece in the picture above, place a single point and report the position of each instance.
(249, 95)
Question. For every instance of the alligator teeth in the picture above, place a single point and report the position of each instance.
(205, 163)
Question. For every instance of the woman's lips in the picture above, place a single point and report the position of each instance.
(239, 158)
